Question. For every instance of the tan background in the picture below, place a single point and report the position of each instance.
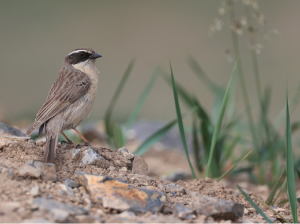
(36, 36)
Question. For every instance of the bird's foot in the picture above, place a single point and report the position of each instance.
(68, 142)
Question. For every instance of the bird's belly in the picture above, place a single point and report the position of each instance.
(79, 110)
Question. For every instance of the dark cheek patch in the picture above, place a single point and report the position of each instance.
(77, 58)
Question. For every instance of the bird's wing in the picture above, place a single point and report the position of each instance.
(68, 87)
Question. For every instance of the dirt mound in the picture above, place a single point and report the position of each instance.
(26, 196)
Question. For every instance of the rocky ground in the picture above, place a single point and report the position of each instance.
(100, 185)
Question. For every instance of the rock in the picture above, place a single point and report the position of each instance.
(35, 191)
(66, 189)
(85, 218)
(124, 152)
(47, 170)
(8, 207)
(39, 220)
(170, 188)
(58, 209)
(215, 207)
(6, 172)
(74, 154)
(92, 158)
(184, 212)
(59, 215)
(11, 130)
(71, 183)
(139, 166)
(29, 170)
(120, 195)
(126, 215)
(140, 179)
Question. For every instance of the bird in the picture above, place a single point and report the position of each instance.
(69, 101)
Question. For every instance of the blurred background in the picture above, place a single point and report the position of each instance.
(37, 35)
(202, 40)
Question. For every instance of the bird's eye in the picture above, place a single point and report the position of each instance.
(81, 54)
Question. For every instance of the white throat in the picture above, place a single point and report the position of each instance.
(87, 67)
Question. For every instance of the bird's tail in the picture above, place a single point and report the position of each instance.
(50, 147)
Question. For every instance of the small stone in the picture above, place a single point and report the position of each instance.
(120, 195)
(126, 215)
(208, 180)
(124, 152)
(59, 215)
(48, 170)
(216, 207)
(9, 173)
(170, 188)
(66, 189)
(252, 210)
(246, 211)
(11, 130)
(123, 170)
(29, 170)
(139, 166)
(35, 191)
(184, 212)
(71, 183)
(92, 158)
(50, 204)
(38, 220)
(140, 179)
(161, 187)
(74, 154)
(8, 207)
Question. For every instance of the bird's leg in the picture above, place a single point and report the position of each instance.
(86, 143)
(69, 141)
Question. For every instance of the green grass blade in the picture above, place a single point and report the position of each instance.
(182, 92)
(293, 103)
(180, 124)
(156, 136)
(271, 209)
(232, 168)
(218, 125)
(142, 99)
(196, 146)
(290, 166)
(108, 113)
(280, 190)
(273, 192)
(254, 205)
(118, 136)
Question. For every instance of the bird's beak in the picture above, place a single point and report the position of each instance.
(95, 55)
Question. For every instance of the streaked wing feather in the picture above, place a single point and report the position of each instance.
(68, 88)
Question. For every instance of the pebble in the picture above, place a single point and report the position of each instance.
(140, 179)
(35, 191)
(139, 166)
(173, 188)
(71, 183)
(211, 206)
(6, 172)
(124, 152)
(74, 154)
(30, 171)
(59, 215)
(38, 220)
(92, 158)
(184, 212)
(50, 205)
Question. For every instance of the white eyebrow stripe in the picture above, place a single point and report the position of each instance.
(78, 51)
